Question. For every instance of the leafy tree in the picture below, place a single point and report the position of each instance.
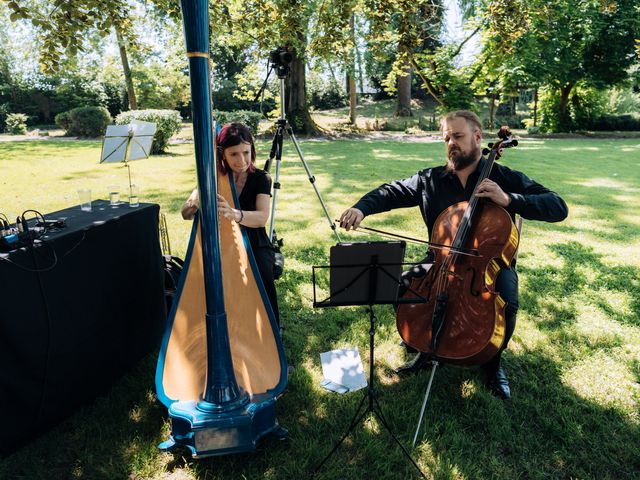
(563, 44)
(334, 37)
(63, 25)
(413, 27)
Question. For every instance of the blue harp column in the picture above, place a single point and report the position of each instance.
(226, 419)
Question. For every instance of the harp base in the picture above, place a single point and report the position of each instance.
(205, 434)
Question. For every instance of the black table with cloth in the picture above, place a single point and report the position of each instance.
(72, 322)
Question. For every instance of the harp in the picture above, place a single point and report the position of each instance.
(221, 365)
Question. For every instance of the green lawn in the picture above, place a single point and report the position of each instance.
(574, 361)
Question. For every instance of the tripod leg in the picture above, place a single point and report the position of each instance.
(312, 180)
(356, 419)
(378, 412)
(434, 364)
(276, 151)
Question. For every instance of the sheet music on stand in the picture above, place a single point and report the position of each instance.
(123, 143)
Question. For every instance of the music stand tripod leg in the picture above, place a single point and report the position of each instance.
(357, 418)
(434, 365)
(371, 405)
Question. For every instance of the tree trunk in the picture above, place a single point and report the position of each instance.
(404, 94)
(564, 120)
(360, 67)
(128, 80)
(353, 99)
(492, 109)
(297, 108)
(535, 107)
(333, 73)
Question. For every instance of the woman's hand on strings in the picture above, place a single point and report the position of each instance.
(351, 218)
(226, 211)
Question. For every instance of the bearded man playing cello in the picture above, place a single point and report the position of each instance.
(435, 189)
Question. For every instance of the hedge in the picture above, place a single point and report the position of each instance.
(84, 121)
(167, 122)
(250, 119)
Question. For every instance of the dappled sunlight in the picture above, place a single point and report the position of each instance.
(592, 225)
(528, 337)
(625, 252)
(468, 389)
(372, 425)
(606, 183)
(575, 149)
(523, 146)
(630, 202)
(529, 142)
(573, 361)
(617, 301)
(597, 329)
(605, 381)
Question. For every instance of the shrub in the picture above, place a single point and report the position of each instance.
(250, 119)
(4, 111)
(325, 95)
(17, 123)
(533, 130)
(167, 122)
(87, 121)
(512, 121)
(585, 105)
(227, 97)
(617, 122)
(63, 120)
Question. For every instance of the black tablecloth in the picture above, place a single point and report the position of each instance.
(76, 312)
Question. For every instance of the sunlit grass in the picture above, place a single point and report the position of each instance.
(574, 361)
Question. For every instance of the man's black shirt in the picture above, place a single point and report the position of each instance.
(435, 189)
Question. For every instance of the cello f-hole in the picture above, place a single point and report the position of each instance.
(473, 282)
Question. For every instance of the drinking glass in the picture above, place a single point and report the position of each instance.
(133, 196)
(114, 195)
(85, 199)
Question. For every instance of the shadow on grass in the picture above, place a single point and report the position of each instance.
(570, 285)
(546, 431)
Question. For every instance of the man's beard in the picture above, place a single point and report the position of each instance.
(460, 160)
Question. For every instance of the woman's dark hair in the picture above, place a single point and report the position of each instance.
(233, 134)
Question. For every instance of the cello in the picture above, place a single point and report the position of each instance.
(462, 320)
(221, 365)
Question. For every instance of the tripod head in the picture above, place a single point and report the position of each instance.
(280, 59)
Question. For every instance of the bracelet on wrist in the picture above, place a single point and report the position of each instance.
(241, 217)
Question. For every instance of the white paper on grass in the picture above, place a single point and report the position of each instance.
(342, 368)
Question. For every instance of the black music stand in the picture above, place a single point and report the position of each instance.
(354, 279)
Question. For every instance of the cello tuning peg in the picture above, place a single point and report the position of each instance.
(491, 145)
(485, 151)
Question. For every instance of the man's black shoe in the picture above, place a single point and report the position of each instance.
(498, 384)
(419, 362)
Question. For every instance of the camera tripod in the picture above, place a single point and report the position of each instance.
(280, 60)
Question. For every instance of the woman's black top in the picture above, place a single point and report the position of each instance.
(257, 182)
